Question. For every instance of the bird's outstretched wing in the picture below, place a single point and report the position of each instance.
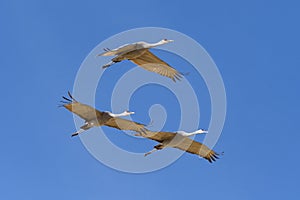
(82, 110)
(197, 148)
(183, 143)
(124, 124)
(152, 63)
(159, 136)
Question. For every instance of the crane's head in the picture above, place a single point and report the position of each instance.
(200, 131)
(127, 113)
(165, 41)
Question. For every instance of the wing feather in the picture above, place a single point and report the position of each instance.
(152, 63)
(197, 148)
(159, 136)
(82, 110)
(124, 124)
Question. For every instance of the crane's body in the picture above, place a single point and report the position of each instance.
(180, 140)
(139, 54)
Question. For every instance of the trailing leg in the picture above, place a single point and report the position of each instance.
(157, 147)
(83, 128)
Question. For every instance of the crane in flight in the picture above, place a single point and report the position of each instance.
(139, 54)
(94, 117)
(180, 140)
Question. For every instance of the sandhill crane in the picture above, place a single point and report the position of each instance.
(95, 117)
(180, 140)
(139, 54)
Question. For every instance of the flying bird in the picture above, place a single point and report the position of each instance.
(139, 54)
(95, 117)
(181, 140)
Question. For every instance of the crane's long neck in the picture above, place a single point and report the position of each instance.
(199, 132)
(125, 113)
(192, 133)
(156, 44)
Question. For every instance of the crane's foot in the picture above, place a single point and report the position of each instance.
(109, 64)
(74, 134)
(148, 153)
(106, 66)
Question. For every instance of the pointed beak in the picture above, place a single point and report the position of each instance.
(129, 113)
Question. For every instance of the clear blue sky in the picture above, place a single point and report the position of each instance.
(255, 44)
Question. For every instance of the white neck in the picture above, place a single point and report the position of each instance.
(186, 134)
(157, 44)
(125, 113)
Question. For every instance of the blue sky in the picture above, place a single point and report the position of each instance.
(255, 46)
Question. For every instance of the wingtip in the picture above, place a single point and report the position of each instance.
(67, 99)
(214, 157)
(177, 77)
(64, 102)
(70, 95)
